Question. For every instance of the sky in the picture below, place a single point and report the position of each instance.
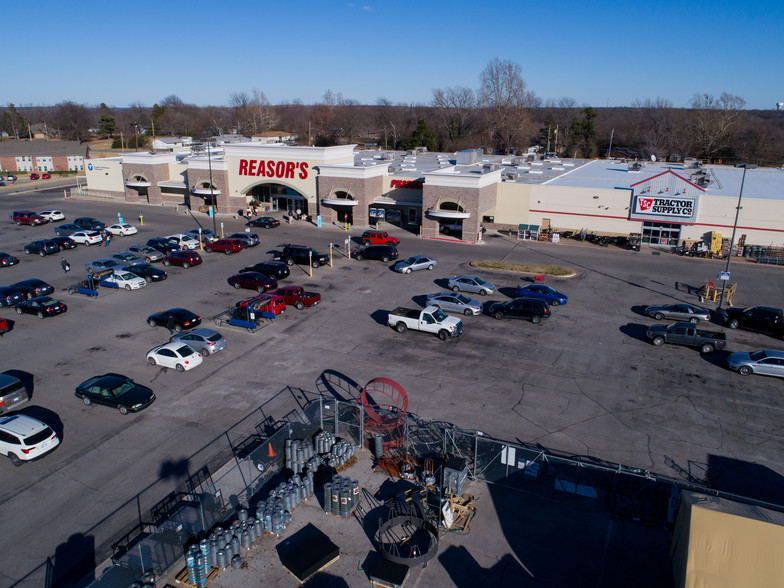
(599, 54)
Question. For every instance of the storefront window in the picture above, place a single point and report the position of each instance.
(661, 234)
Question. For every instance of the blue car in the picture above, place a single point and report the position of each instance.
(552, 296)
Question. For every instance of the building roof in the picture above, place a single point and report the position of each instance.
(40, 147)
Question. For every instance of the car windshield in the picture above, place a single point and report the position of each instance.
(757, 355)
(410, 261)
(120, 388)
(127, 276)
(463, 298)
(549, 290)
(439, 315)
(479, 280)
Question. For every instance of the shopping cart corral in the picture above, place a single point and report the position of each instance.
(250, 314)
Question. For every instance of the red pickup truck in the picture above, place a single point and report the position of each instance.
(296, 296)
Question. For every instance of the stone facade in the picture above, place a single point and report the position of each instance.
(364, 191)
(477, 201)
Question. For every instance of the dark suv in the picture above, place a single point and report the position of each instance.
(521, 308)
(42, 247)
(89, 223)
(300, 254)
(273, 269)
(381, 252)
(163, 245)
(757, 318)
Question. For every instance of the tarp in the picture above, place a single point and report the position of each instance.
(719, 543)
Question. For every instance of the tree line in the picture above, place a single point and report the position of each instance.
(502, 115)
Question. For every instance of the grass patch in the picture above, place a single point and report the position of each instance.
(525, 268)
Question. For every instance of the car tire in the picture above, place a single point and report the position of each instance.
(400, 327)
(177, 329)
(430, 267)
(151, 361)
(468, 312)
(227, 251)
(299, 305)
(205, 352)
(42, 253)
(408, 270)
(384, 259)
(128, 287)
(658, 341)
(14, 459)
(555, 303)
(658, 316)
(744, 370)
(122, 409)
(365, 243)
(443, 334)
(483, 292)
(148, 260)
(455, 288)
(18, 224)
(18, 310)
(315, 264)
(179, 367)
(40, 314)
(166, 262)
(260, 289)
(733, 324)
(358, 256)
(148, 279)
(237, 285)
(536, 319)
(694, 320)
(186, 265)
(289, 261)
(706, 348)
(151, 323)
(86, 400)
(498, 314)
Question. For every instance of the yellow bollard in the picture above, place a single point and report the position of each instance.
(141, 220)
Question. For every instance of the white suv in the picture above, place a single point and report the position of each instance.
(23, 438)
(184, 241)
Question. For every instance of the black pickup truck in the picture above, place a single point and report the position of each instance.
(757, 318)
(687, 334)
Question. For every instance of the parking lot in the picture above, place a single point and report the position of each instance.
(584, 382)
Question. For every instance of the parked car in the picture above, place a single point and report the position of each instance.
(122, 229)
(52, 215)
(455, 302)
(10, 178)
(296, 296)
(182, 319)
(23, 438)
(205, 341)
(101, 265)
(7, 260)
(253, 281)
(415, 263)
(46, 176)
(33, 287)
(378, 238)
(381, 252)
(64, 243)
(183, 258)
(552, 296)
(264, 222)
(27, 217)
(42, 247)
(184, 241)
(66, 230)
(678, 312)
(429, 320)
(123, 279)
(207, 235)
(176, 354)
(87, 237)
(757, 318)
(117, 391)
(10, 296)
(89, 223)
(147, 253)
(766, 362)
(126, 257)
(13, 393)
(687, 334)
(471, 284)
(273, 269)
(163, 245)
(521, 308)
(41, 306)
(148, 272)
(35, 176)
(248, 239)
(227, 246)
(301, 254)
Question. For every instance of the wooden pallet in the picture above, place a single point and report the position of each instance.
(182, 577)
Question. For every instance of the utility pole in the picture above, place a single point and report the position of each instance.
(546, 151)
(609, 150)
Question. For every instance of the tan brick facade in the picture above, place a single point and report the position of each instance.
(363, 190)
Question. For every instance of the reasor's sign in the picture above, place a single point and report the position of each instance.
(274, 169)
(664, 206)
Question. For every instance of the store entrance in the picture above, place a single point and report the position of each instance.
(273, 197)
(665, 234)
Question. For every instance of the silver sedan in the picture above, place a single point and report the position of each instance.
(678, 312)
(471, 284)
(767, 362)
(414, 263)
(455, 302)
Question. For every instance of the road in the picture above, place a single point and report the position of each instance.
(583, 382)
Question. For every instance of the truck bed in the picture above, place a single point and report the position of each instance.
(411, 313)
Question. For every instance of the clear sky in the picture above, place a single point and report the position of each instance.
(600, 54)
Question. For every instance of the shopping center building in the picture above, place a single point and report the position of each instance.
(464, 192)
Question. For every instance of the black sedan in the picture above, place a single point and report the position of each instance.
(42, 247)
(117, 391)
(165, 246)
(7, 260)
(273, 269)
(64, 243)
(65, 230)
(147, 271)
(10, 296)
(264, 222)
(178, 319)
(88, 223)
(253, 281)
(33, 287)
(41, 306)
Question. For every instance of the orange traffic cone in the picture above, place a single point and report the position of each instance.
(270, 451)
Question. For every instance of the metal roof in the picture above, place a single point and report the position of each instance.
(40, 147)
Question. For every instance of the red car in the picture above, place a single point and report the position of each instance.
(46, 176)
(27, 217)
(227, 246)
(34, 176)
(253, 281)
(296, 296)
(182, 258)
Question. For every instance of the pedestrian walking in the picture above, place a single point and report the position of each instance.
(65, 265)
(107, 239)
(170, 324)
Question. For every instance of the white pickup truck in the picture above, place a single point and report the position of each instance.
(430, 320)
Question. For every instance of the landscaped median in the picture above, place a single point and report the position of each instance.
(559, 271)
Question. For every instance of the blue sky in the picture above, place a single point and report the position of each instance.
(598, 53)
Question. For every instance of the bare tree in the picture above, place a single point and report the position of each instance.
(657, 126)
(346, 117)
(395, 120)
(74, 120)
(456, 109)
(503, 91)
(263, 115)
(713, 122)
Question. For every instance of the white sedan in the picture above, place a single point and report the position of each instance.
(122, 229)
(177, 354)
(184, 241)
(52, 215)
(125, 280)
(86, 237)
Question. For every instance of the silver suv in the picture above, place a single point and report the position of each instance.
(12, 393)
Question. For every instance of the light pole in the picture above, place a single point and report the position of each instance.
(745, 166)
(212, 194)
(136, 136)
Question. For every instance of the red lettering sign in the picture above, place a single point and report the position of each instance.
(273, 169)
(413, 184)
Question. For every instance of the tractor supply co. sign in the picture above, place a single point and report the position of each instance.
(680, 207)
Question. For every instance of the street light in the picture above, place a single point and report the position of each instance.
(745, 166)
(212, 194)
(136, 136)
